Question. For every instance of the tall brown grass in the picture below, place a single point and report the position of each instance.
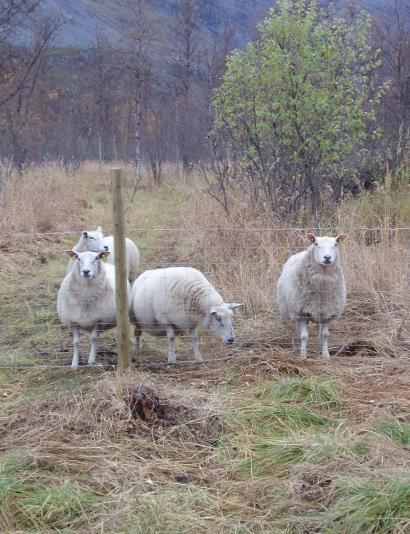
(242, 253)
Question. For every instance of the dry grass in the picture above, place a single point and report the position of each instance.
(250, 441)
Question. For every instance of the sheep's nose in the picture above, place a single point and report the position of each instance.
(86, 272)
(327, 258)
(230, 340)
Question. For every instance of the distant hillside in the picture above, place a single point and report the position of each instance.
(86, 17)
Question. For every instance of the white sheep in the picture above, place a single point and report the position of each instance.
(175, 300)
(312, 288)
(95, 241)
(86, 299)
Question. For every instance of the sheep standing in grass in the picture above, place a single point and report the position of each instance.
(166, 302)
(312, 288)
(95, 242)
(86, 299)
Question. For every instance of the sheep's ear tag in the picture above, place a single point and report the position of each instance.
(311, 238)
(72, 253)
(103, 254)
(341, 237)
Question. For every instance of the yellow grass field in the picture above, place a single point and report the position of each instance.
(252, 440)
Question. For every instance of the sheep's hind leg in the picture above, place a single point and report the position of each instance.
(304, 334)
(195, 342)
(93, 351)
(76, 355)
(171, 339)
(137, 334)
(325, 336)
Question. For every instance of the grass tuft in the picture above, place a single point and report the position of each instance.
(56, 505)
(273, 453)
(318, 391)
(397, 431)
(379, 505)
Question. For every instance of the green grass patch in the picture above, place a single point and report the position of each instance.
(396, 430)
(320, 392)
(283, 417)
(55, 505)
(292, 422)
(379, 505)
(33, 498)
(272, 453)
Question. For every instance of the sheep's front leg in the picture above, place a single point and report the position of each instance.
(325, 336)
(195, 342)
(76, 342)
(304, 334)
(93, 351)
(171, 339)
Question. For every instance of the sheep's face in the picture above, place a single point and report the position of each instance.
(94, 240)
(220, 321)
(88, 263)
(325, 249)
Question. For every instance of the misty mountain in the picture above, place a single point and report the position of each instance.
(87, 17)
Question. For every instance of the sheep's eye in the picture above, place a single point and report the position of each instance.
(316, 245)
(90, 237)
(335, 244)
(219, 319)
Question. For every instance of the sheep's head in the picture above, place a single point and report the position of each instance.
(88, 263)
(325, 249)
(219, 321)
(94, 240)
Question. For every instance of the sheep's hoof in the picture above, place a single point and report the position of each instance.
(299, 358)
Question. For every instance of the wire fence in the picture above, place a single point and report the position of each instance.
(243, 264)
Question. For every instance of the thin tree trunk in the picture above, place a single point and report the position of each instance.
(114, 145)
(2, 182)
(99, 148)
(138, 135)
(176, 157)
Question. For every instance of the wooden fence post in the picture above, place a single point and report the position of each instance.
(120, 269)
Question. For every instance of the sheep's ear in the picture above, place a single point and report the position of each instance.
(234, 305)
(341, 237)
(98, 229)
(85, 234)
(103, 254)
(311, 237)
(72, 253)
